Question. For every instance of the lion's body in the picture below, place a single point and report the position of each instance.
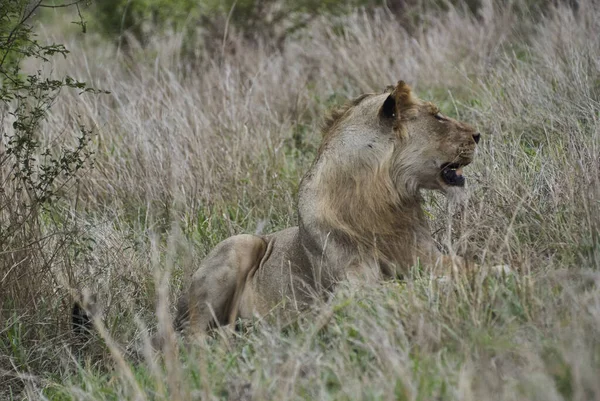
(360, 215)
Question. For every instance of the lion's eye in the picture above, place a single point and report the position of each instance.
(439, 117)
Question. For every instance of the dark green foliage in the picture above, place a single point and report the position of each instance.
(27, 98)
(259, 21)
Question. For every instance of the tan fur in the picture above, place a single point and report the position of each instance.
(360, 215)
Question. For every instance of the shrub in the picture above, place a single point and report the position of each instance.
(34, 174)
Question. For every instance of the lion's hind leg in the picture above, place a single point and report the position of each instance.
(216, 286)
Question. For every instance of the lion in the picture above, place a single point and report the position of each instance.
(359, 214)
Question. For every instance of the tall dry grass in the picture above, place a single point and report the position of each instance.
(190, 153)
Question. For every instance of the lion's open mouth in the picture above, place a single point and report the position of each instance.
(452, 174)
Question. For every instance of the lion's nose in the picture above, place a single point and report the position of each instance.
(476, 137)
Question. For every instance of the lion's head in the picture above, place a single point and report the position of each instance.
(422, 148)
(377, 153)
(431, 149)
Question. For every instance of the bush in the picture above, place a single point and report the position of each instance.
(34, 175)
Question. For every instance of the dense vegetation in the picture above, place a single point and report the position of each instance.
(206, 132)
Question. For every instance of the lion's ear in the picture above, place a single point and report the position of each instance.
(388, 110)
(400, 99)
